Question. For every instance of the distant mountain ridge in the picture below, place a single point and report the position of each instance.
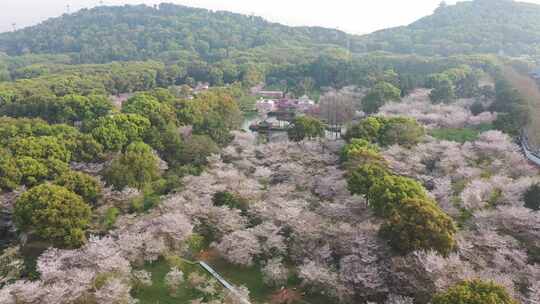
(105, 34)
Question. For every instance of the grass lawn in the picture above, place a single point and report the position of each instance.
(250, 277)
(158, 292)
(460, 135)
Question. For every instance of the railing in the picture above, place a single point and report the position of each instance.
(530, 154)
(223, 282)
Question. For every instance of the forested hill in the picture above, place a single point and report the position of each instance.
(106, 34)
(479, 26)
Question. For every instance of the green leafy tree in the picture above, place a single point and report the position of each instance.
(53, 213)
(251, 76)
(32, 170)
(225, 198)
(159, 114)
(474, 292)
(359, 152)
(381, 93)
(214, 113)
(305, 127)
(40, 148)
(361, 179)
(116, 131)
(403, 131)
(215, 127)
(388, 192)
(354, 145)
(531, 197)
(111, 215)
(80, 183)
(72, 108)
(477, 107)
(87, 149)
(512, 122)
(197, 149)
(419, 224)
(137, 167)
(171, 146)
(387, 131)
(361, 156)
(443, 89)
(516, 97)
(10, 175)
(368, 129)
(55, 167)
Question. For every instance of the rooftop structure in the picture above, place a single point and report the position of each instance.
(271, 94)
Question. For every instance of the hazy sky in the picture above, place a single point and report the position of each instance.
(354, 16)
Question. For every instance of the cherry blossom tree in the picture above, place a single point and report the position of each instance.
(173, 279)
(274, 272)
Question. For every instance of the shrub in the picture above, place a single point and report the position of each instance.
(111, 215)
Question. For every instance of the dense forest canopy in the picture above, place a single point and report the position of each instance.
(479, 26)
(140, 32)
(167, 31)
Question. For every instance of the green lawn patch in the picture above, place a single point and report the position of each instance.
(460, 135)
(251, 277)
(158, 293)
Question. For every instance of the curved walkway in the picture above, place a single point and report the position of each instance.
(530, 154)
(219, 278)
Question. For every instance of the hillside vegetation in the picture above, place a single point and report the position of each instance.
(479, 26)
(107, 34)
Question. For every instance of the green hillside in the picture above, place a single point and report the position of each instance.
(480, 26)
(168, 31)
(107, 34)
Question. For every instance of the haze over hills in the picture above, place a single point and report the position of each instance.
(106, 34)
